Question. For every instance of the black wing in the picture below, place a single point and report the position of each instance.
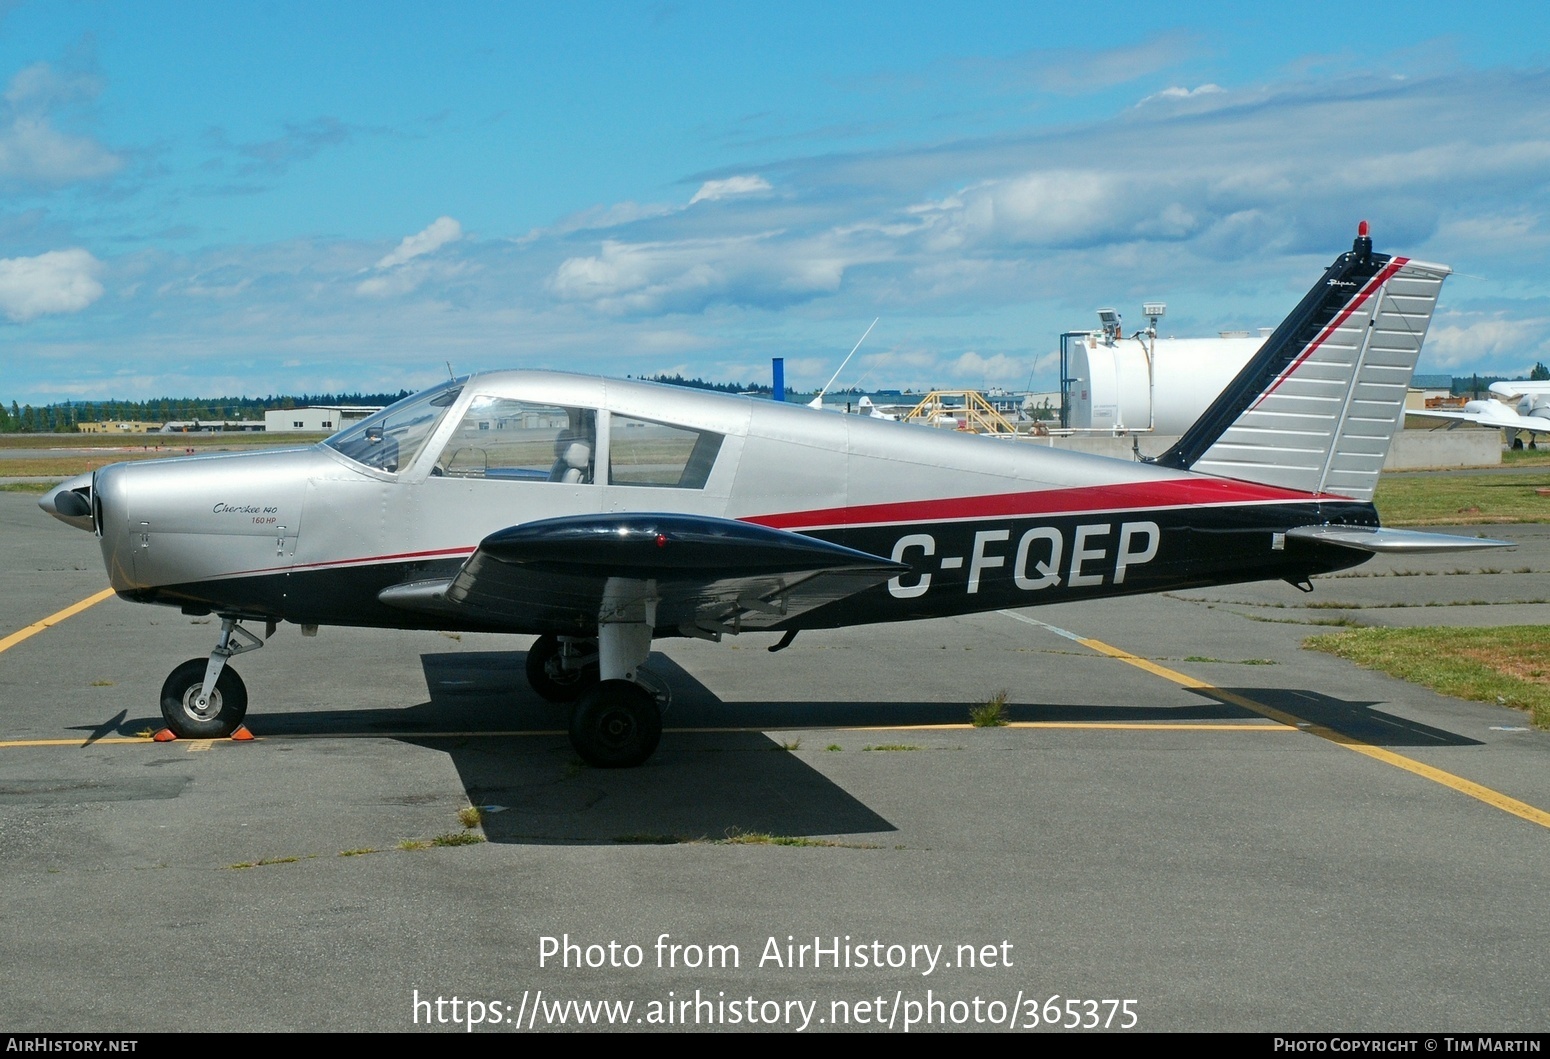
(695, 574)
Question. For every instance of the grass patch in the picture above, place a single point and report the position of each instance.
(28, 487)
(1459, 499)
(103, 683)
(795, 744)
(1526, 457)
(992, 712)
(99, 450)
(1506, 665)
(357, 852)
(834, 746)
(1347, 623)
(203, 442)
(471, 816)
(889, 746)
(458, 838)
(762, 838)
(411, 844)
(262, 861)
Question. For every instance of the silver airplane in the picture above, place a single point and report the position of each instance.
(1524, 407)
(600, 514)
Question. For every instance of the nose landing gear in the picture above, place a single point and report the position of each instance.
(204, 698)
(220, 712)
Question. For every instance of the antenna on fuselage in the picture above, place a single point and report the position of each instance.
(449, 370)
(817, 402)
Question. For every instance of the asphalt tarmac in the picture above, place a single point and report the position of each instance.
(1194, 824)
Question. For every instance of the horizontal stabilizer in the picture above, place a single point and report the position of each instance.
(1393, 541)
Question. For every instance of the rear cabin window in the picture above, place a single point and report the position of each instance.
(641, 452)
(513, 440)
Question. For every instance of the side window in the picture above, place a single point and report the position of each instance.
(641, 452)
(500, 437)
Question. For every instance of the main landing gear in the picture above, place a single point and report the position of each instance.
(616, 716)
(204, 698)
(562, 668)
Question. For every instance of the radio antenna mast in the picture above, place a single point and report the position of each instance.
(852, 353)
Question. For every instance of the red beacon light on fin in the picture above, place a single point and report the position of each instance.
(1362, 245)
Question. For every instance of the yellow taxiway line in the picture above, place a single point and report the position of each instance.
(53, 619)
(1493, 798)
(1490, 797)
(1133, 726)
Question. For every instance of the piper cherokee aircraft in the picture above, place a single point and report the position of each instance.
(1532, 414)
(600, 514)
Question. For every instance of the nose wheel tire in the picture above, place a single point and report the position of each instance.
(218, 718)
(548, 675)
(615, 725)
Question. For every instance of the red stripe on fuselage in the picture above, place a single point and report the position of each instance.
(1355, 303)
(1170, 493)
(440, 553)
(1174, 492)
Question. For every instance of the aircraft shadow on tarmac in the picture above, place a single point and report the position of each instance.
(1357, 720)
(706, 782)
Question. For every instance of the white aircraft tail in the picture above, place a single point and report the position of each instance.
(1316, 407)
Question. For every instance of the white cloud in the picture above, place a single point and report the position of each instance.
(1178, 92)
(401, 271)
(688, 275)
(712, 190)
(437, 234)
(1226, 205)
(1469, 340)
(31, 148)
(998, 369)
(60, 281)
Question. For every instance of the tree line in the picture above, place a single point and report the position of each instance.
(66, 417)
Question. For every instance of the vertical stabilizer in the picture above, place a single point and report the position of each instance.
(1316, 407)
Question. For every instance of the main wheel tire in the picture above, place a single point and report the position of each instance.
(547, 675)
(615, 725)
(222, 714)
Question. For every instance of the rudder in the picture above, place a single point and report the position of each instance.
(1316, 407)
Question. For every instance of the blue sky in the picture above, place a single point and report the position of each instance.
(198, 199)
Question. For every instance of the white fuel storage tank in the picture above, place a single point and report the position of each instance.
(1142, 383)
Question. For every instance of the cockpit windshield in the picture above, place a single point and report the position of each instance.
(392, 438)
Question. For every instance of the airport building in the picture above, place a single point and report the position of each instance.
(316, 419)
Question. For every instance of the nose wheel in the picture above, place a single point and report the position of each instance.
(217, 716)
(204, 698)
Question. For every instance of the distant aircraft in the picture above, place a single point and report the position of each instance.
(869, 409)
(1532, 414)
(601, 514)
